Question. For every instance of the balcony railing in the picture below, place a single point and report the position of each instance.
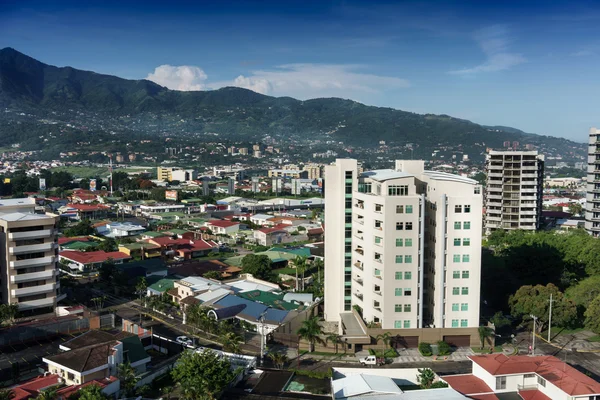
(42, 233)
(32, 262)
(32, 248)
(28, 291)
(34, 276)
(28, 305)
(358, 265)
(359, 295)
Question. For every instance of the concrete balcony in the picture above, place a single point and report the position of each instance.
(42, 233)
(358, 295)
(28, 291)
(33, 248)
(34, 276)
(495, 174)
(28, 305)
(359, 265)
(358, 280)
(494, 196)
(32, 262)
(491, 218)
(529, 168)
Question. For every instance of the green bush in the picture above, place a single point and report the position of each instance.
(425, 349)
(314, 374)
(444, 348)
(438, 385)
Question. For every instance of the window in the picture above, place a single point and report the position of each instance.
(467, 208)
(407, 275)
(455, 290)
(398, 308)
(529, 376)
(500, 382)
(409, 209)
(454, 306)
(408, 242)
(399, 226)
(457, 225)
(378, 224)
(463, 323)
(464, 307)
(377, 272)
(408, 259)
(407, 292)
(456, 258)
(466, 242)
(378, 240)
(377, 288)
(406, 324)
(409, 226)
(398, 259)
(398, 242)
(397, 324)
(457, 242)
(398, 190)
(455, 323)
(465, 274)
(457, 209)
(399, 209)
(466, 225)
(464, 290)
(466, 258)
(477, 190)
(398, 276)
(398, 292)
(541, 381)
(455, 274)
(407, 307)
(378, 207)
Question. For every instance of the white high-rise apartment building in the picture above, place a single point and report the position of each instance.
(403, 244)
(514, 190)
(28, 256)
(592, 205)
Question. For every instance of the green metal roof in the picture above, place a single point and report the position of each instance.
(78, 245)
(273, 300)
(161, 285)
(138, 245)
(178, 231)
(134, 348)
(298, 251)
(274, 256)
(153, 234)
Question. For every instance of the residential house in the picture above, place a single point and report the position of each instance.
(220, 227)
(120, 229)
(84, 211)
(260, 219)
(185, 248)
(140, 250)
(270, 236)
(32, 388)
(496, 376)
(90, 260)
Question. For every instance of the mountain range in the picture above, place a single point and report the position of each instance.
(30, 85)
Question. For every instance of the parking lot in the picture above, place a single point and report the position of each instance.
(28, 355)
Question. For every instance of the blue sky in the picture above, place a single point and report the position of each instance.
(532, 66)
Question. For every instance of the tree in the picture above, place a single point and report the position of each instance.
(385, 341)
(107, 270)
(257, 265)
(197, 316)
(335, 339)
(425, 377)
(592, 315)
(127, 375)
(216, 275)
(575, 208)
(499, 320)
(7, 394)
(534, 300)
(47, 394)
(585, 291)
(300, 264)
(166, 391)
(205, 373)
(108, 245)
(231, 343)
(485, 333)
(8, 313)
(279, 358)
(141, 286)
(83, 228)
(91, 392)
(311, 331)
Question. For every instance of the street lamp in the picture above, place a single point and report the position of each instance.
(533, 335)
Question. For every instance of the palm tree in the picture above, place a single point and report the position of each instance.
(300, 264)
(91, 392)
(128, 378)
(278, 358)
(231, 343)
(47, 394)
(7, 394)
(485, 333)
(425, 378)
(335, 339)
(385, 341)
(141, 287)
(311, 331)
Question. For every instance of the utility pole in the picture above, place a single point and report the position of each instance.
(533, 336)
(550, 318)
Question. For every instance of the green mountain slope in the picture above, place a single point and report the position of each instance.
(41, 88)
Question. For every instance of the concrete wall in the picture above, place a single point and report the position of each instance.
(428, 335)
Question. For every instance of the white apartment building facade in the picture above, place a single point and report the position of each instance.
(514, 190)
(592, 205)
(404, 245)
(28, 256)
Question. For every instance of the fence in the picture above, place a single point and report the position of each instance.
(107, 321)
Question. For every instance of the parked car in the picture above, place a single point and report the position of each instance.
(371, 360)
(184, 340)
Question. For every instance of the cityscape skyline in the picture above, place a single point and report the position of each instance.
(530, 69)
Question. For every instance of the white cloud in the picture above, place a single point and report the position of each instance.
(315, 80)
(183, 77)
(494, 44)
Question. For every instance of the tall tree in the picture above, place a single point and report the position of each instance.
(385, 341)
(141, 286)
(91, 392)
(204, 372)
(425, 377)
(485, 332)
(128, 378)
(257, 265)
(592, 315)
(311, 331)
(584, 291)
(7, 394)
(534, 300)
(279, 358)
(8, 313)
(336, 339)
(232, 342)
(47, 394)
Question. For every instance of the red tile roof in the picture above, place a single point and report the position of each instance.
(93, 256)
(32, 387)
(222, 224)
(64, 240)
(88, 207)
(198, 245)
(467, 384)
(66, 392)
(533, 395)
(276, 228)
(560, 374)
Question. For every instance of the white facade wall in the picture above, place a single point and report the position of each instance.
(592, 206)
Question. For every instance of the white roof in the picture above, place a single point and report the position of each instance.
(444, 176)
(19, 216)
(363, 384)
(247, 286)
(17, 202)
(262, 216)
(213, 295)
(198, 283)
(230, 199)
(385, 174)
(433, 394)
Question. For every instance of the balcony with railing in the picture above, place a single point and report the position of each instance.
(28, 305)
(32, 248)
(359, 265)
(28, 291)
(360, 250)
(34, 276)
(358, 295)
(38, 234)
(358, 280)
(32, 262)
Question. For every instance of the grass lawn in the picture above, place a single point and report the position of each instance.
(286, 271)
(389, 353)
(557, 330)
(486, 350)
(594, 339)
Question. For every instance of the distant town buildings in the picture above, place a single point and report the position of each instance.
(515, 183)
